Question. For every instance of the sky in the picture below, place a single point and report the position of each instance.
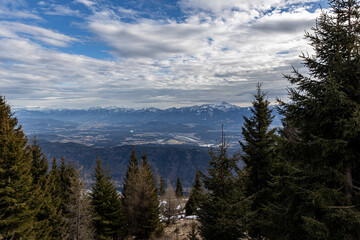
(142, 53)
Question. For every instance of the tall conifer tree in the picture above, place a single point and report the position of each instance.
(221, 207)
(17, 191)
(46, 209)
(56, 218)
(151, 222)
(195, 196)
(258, 155)
(140, 200)
(179, 188)
(106, 204)
(162, 186)
(317, 197)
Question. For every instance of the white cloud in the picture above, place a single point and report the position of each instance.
(55, 9)
(20, 30)
(17, 14)
(87, 3)
(218, 6)
(203, 58)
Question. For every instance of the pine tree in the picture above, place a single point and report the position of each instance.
(179, 188)
(131, 170)
(54, 206)
(67, 172)
(317, 195)
(128, 193)
(195, 196)
(17, 191)
(221, 207)
(258, 155)
(150, 222)
(106, 204)
(39, 172)
(162, 186)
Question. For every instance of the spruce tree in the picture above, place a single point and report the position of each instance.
(221, 207)
(317, 196)
(54, 206)
(17, 191)
(128, 193)
(39, 171)
(195, 196)
(179, 188)
(162, 186)
(150, 222)
(258, 155)
(106, 204)
(131, 170)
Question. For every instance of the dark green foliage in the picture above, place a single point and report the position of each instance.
(195, 196)
(56, 217)
(106, 204)
(179, 189)
(162, 186)
(221, 208)
(17, 191)
(46, 210)
(316, 190)
(132, 168)
(150, 222)
(258, 155)
(169, 161)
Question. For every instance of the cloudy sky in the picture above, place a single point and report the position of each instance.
(141, 53)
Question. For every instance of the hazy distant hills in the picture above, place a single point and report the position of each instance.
(175, 120)
(173, 138)
(208, 115)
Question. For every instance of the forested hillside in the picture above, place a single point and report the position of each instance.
(167, 161)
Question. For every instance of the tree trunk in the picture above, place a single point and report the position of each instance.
(349, 187)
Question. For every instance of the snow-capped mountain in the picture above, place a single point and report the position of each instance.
(207, 115)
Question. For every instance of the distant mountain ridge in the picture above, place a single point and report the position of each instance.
(208, 115)
(195, 125)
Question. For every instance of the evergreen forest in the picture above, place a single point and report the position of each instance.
(300, 181)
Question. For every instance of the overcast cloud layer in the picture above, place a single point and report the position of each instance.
(83, 53)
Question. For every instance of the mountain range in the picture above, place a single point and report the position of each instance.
(174, 138)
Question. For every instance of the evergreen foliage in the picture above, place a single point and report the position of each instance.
(151, 221)
(316, 193)
(106, 203)
(162, 186)
(195, 196)
(17, 191)
(39, 171)
(56, 217)
(179, 189)
(221, 207)
(259, 156)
